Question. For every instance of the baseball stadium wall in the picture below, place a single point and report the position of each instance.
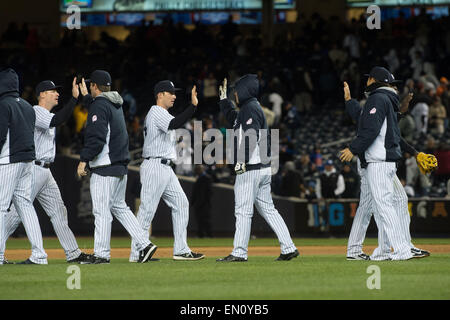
(429, 216)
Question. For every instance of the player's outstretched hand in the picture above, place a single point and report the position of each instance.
(347, 95)
(75, 88)
(81, 170)
(194, 99)
(346, 155)
(223, 90)
(83, 88)
(405, 102)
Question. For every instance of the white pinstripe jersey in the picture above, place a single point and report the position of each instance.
(44, 136)
(159, 141)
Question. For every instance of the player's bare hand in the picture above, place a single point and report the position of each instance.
(405, 102)
(194, 99)
(347, 95)
(83, 88)
(346, 155)
(223, 89)
(81, 171)
(75, 88)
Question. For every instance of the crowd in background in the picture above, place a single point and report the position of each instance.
(301, 79)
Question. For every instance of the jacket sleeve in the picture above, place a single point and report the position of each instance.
(4, 124)
(95, 132)
(64, 114)
(353, 109)
(228, 110)
(371, 121)
(87, 100)
(182, 118)
(248, 134)
(406, 147)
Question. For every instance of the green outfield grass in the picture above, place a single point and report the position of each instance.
(261, 278)
(123, 242)
(309, 277)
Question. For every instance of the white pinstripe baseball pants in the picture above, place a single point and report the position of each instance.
(363, 215)
(380, 178)
(47, 193)
(159, 181)
(17, 180)
(108, 197)
(253, 188)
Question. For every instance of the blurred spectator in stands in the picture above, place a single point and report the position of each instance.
(269, 114)
(331, 184)
(351, 180)
(443, 86)
(221, 173)
(420, 110)
(351, 43)
(80, 114)
(303, 164)
(129, 104)
(292, 181)
(337, 56)
(291, 118)
(430, 145)
(287, 149)
(442, 154)
(448, 189)
(183, 163)
(407, 127)
(392, 60)
(136, 136)
(437, 115)
(310, 192)
(276, 99)
(29, 95)
(316, 158)
(201, 201)
(210, 94)
(408, 189)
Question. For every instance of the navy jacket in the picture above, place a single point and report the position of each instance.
(247, 123)
(370, 121)
(17, 120)
(106, 136)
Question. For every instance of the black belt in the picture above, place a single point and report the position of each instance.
(250, 167)
(43, 164)
(163, 160)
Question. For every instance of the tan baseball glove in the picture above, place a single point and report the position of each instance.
(426, 162)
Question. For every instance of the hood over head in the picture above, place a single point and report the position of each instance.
(114, 97)
(247, 87)
(9, 81)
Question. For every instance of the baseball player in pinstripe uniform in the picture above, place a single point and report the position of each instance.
(106, 151)
(45, 188)
(17, 152)
(378, 147)
(364, 212)
(157, 177)
(252, 186)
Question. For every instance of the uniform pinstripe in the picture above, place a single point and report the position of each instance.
(364, 213)
(108, 199)
(45, 188)
(159, 181)
(253, 188)
(18, 180)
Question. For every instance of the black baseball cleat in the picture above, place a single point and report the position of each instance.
(91, 259)
(361, 256)
(82, 257)
(146, 254)
(6, 261)
(288, 256)
(232, 258)
(419, 253)
(188, 256)
(28, 261)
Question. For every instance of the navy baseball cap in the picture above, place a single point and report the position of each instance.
(329, 163)
(382, 75)
(45, 86)
(100, 77)
(165, 86)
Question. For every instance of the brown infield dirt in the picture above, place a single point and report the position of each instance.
(223, 251)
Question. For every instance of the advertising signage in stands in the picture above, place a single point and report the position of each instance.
(385, 3)
(171, 5)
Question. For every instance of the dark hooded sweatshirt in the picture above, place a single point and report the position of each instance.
(247, 123)
(17, 120)
(106, 136)
(356, 113)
